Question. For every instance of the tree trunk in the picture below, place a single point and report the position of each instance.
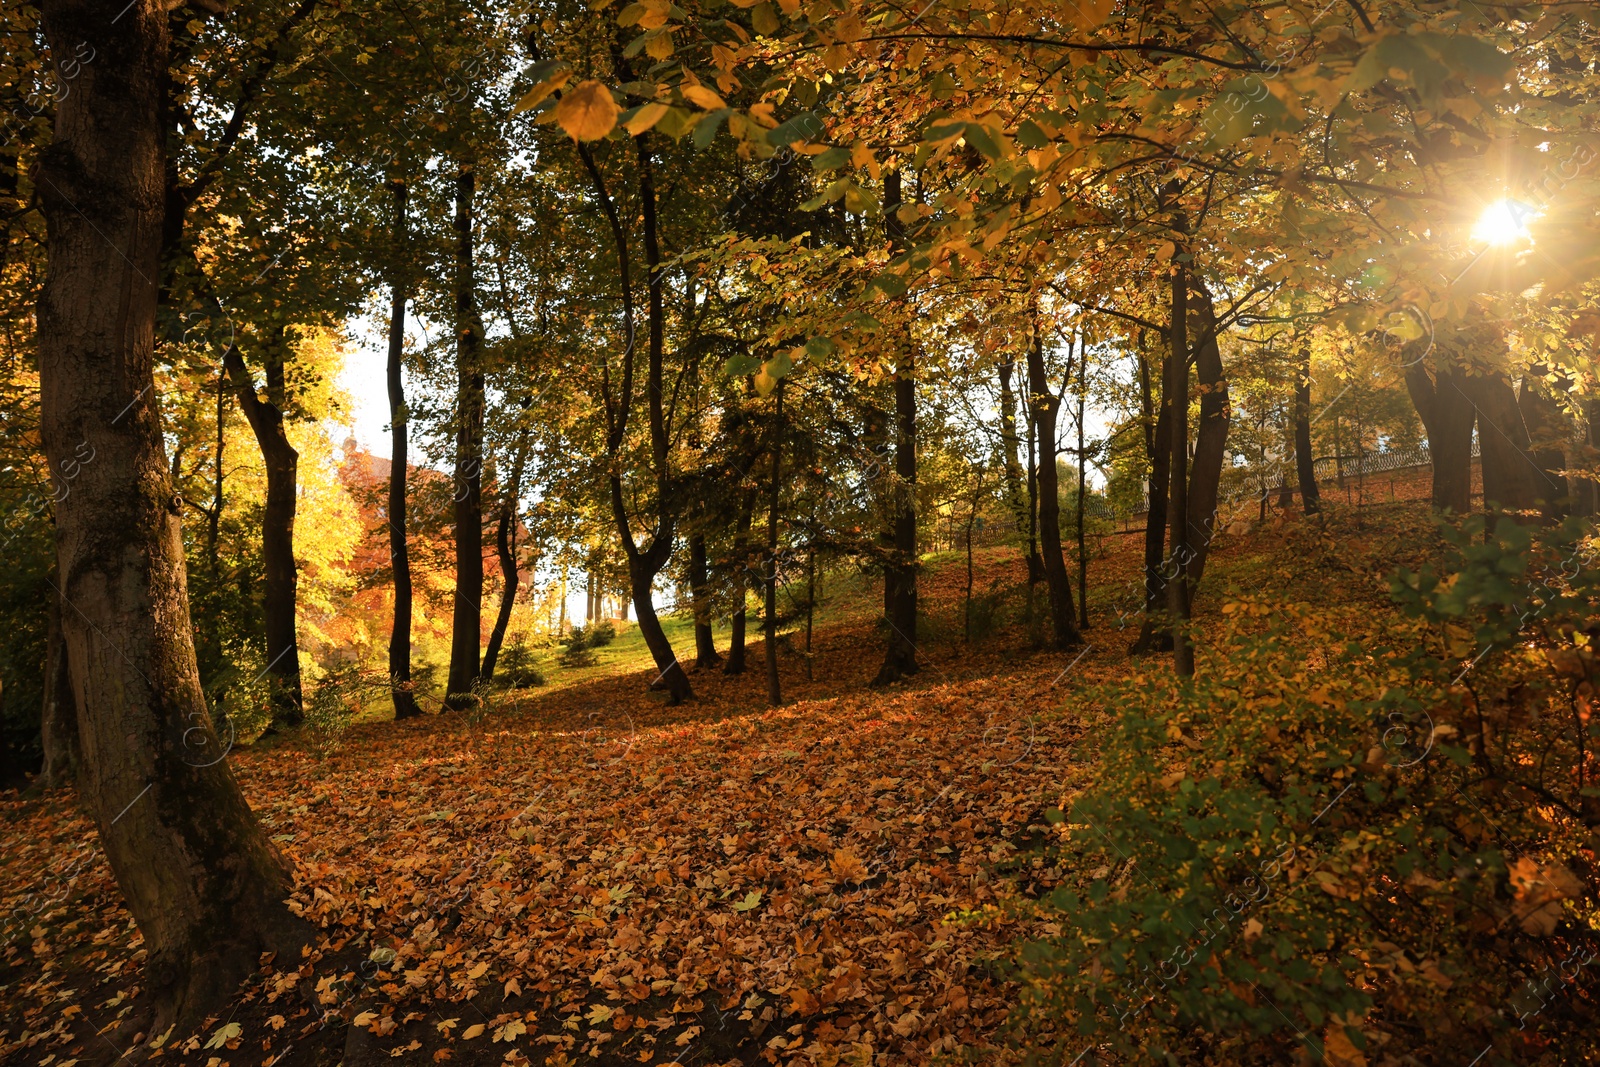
(811, 600)
(1210, 440)
(705, 645)
(58, 720)
(203, 883)
(741, 571)
(900, 577)
(1154, 634)
(1035, 563)
(1083, 550)
(506, 548)
(1016, 495)
(1586, 491)
(277, 530)
(1447, 417)
(1549, 431)
(645, 565)
(1178, 501)
(1304, 462)
(1511, 478)
(774, 685)
(467, 617)
(1043, 407)
(400, 688)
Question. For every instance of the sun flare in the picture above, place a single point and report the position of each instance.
(1504, 222)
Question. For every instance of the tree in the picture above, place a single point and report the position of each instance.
(400, 689)
(467, 613)
(900, 572)
(1044, 406)
(196, 870)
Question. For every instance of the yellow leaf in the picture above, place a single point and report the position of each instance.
(224, 1034)
(659, 46)
(535, 96)
(587, 113)
(475, 1030)
(645, 118)
(478, 970)
(702, 97)
(1166, 251)
(510, 1031)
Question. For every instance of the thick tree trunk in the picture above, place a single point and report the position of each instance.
(1586, 457)
(199, 876)
(400, 689)
(1015, 494)
(774, 685)
(705, 645)
(900, 576)
(1549, 430)
(58, 719)
(1210, 439)
(1178, 500)
(1304, 462)
(467, 617)
(1447, 417)
(1043, 407)
(1154, 634)
(506, 548)
(1511, 477)
(282, 464)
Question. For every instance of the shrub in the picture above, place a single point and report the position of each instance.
(578, 652)
(1379, 847)
(516, 668)
(342, 694)
(602, 633)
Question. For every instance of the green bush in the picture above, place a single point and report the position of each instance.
(1333, 849)
(578, 652)
(517, 669)
(602, 633)
(342, 694)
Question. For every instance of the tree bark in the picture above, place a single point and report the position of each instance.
(1447, 417)
(1154, 635)
(203, 883)
(1304, 462)
(1178, 501)
(400, 689)
(1586, 495)
(1016, 495)
(1083, 549)
(705, 645)
(1549, 431)
(1511, 477)
(774, 685)
(645, 563)
(467, 615)
(58, 719)
(741, 571)
(282, 464)
(506, 549)
(900, 576)
(1044, 407)
(1210, 439)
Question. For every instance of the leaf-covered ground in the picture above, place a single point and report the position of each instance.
(584, 874)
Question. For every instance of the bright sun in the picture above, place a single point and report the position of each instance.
(1504, 222)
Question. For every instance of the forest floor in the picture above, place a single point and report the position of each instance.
(581, 873)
